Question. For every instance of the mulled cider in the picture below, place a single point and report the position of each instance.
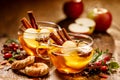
(35, 40)
(73, 55)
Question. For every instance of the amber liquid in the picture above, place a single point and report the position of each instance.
(31, 42)
(31, 50)
(72, 63)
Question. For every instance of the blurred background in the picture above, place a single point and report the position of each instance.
(11, 11)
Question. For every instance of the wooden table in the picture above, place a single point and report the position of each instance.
(51, 10)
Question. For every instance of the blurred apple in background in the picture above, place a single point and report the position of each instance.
(82, 25)
(73, 8)
(102, 17)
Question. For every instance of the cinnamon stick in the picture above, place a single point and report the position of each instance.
(60, 33)
(32, 20)
(56, 39)
(66, 34)
(26, 23)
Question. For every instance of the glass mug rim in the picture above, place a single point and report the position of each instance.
(72, 48)
(44, 24)
(78, 35)
(67, 60)
(40, 22)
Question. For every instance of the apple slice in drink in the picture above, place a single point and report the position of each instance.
(30, 36)
(68, 47)
(82, 25)
(72, 58)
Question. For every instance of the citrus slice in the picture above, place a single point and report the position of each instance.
(44, 33)
(30, 33)
(73, 60)
(76, 61)
(30, 36)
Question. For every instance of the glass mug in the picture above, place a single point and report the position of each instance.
(35, 41)
(72, 59)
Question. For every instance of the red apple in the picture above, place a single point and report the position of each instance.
(73, 8)
(102, 17)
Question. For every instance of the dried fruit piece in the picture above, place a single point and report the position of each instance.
(19, 64)
(36, 70)
(1, 66)
(4, 62)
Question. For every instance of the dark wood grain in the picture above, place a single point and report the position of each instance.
(103, 41)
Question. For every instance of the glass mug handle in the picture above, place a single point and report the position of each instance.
(42, 49)
(42, 52)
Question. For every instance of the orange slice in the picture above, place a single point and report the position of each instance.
(77, 62)
(30, 36)
(72, 58)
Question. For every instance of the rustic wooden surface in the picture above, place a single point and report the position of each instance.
(99, 38)
(11, 11)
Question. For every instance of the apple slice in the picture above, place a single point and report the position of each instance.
(68, 47)
(30, 33)
(82, 25)
(76, 28)
(30, 36)
(44, 31)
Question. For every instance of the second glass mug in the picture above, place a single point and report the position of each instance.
(35, 41)
(73, 56)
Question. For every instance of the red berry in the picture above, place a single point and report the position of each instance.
(104, 68)
(104, 62)
(10, 46)
(16, 46)
(21, 48)
(7, 55)
(5, 46)
(99, 63)
(13, 44)
(14, 49)
(107, 58)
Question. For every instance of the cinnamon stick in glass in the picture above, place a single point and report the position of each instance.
(56, 39)
(66, 34)
(26, 23)
(32, 19)
(60, 33)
